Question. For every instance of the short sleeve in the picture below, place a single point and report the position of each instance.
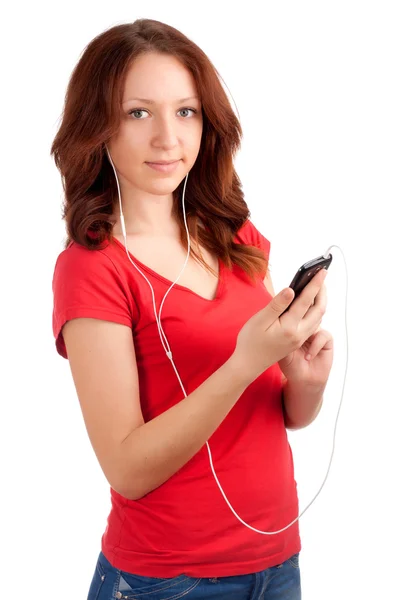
(256, 238)
(249, 234)
(86, 283)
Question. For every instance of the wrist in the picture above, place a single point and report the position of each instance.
(237, 370)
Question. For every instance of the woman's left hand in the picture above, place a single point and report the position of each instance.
(313, 372)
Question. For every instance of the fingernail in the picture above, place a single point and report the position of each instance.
(308, 356)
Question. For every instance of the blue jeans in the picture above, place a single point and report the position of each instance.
(275, 583)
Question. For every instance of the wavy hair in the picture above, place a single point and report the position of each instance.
(91, 116)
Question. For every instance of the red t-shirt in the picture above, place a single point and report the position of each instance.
(185, 525)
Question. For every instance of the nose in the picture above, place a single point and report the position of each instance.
(165, 133)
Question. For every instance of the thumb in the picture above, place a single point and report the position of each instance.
(279, 303)
(267, 315)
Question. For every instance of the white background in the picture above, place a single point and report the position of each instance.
(316, 85)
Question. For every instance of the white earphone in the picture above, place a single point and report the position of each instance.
(169, 354)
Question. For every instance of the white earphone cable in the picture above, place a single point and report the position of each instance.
(169, 354)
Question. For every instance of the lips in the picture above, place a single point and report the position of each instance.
(164, 167)
(162, 162)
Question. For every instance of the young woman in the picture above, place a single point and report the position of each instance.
(144, 94)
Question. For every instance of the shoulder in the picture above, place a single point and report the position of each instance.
(78, 261)
(80, 272)
(251, 235)
(86, 283)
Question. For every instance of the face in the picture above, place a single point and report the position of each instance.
(161, 128)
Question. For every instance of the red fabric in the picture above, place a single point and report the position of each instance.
(185, 525)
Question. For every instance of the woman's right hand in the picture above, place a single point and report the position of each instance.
(268, 336)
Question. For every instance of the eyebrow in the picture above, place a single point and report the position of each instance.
(147, 101)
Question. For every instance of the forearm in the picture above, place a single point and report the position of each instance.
(155, 451)
(301, 404)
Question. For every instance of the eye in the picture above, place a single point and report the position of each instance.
(192, 109)
(141, 110)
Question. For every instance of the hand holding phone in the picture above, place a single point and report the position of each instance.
(305, 273)
(265, 339)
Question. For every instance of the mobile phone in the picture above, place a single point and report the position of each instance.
(306, 273)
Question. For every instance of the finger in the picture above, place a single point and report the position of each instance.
(315, 313)
(320, 300)
(267, 315)
(323, 339)
(317, 344)
(302, 303)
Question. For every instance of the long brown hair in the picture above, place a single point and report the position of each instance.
(91, 116)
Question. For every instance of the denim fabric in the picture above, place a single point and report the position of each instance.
(276, 583)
